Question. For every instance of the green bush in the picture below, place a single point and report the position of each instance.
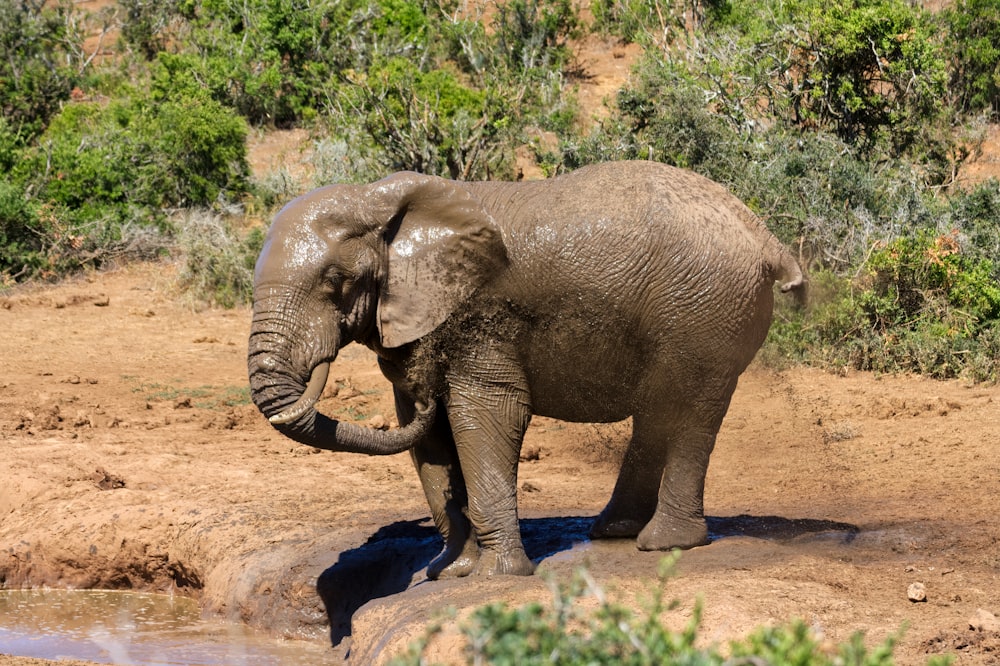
(975, 214)
(217, 260)
(565, 633)
(973, 39)
(101, 172)
(869, 71)
(653, 22)
(133, 157)
(37, 73)
(23, 230)
(428, 121)
(276, 62)
(146, 26)
(262, 58)
(533, 34)
(922, 275)
(662, 116)
(919, 304)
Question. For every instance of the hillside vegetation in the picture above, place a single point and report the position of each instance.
(842, 123)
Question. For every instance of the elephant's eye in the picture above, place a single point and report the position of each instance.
(334, 282)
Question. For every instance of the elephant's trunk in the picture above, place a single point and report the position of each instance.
(306, 401)
(291, 409)
(313, 428)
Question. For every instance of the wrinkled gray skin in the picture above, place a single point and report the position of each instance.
(622, 289)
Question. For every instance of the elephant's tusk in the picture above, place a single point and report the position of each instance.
(306, 401)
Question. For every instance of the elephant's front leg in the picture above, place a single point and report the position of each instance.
(436, 460)
(489, 409)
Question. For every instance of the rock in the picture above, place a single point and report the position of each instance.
(106, 480)
(531, 453)
(985, 622)
(916, 592)
(378, 422)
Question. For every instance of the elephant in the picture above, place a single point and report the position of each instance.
(621, 289)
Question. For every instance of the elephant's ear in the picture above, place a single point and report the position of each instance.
(442, 246)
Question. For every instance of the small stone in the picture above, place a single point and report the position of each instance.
(378, 422)
(183, 403)
(106, 480)
(985, 621)
(531, 453)
(916, 592)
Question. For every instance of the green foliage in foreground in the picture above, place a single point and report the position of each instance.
(582, 626)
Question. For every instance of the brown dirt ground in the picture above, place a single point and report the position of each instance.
(125, 465)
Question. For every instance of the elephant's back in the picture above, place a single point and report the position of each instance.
(629, 232)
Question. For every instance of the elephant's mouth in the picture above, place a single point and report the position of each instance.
(307, 401)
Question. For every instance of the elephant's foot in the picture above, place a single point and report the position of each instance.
(617, 521)
(666, 533)
(512, 562)
(608, 528)
(454, 562)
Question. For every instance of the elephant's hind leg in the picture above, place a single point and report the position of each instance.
(440, 475)
(686, 441)
(633, 501)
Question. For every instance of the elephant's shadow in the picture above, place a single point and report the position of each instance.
(388, 561)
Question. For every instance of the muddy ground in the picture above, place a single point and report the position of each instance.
(131, 457)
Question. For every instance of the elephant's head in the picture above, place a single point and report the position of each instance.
(382, 264)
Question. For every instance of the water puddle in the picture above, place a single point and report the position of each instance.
(113, 627)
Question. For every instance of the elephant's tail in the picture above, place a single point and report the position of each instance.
(787, 271)
(784, 266)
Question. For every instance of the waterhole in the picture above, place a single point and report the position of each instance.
(113, 627)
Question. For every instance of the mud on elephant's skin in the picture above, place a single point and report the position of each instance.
(621, 289)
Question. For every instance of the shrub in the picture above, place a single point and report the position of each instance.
(923, 274)
(533, 34)
(429, 121)
(973, 36)
(132, 158)
(976, 215)
(23, 230)
(43, 240)
(218, 261)
(868, 71)
(273, 61)
(36, 72)
(662, 116)
(146, 26)
(653, 21)
(100, 172)
(919, 304)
